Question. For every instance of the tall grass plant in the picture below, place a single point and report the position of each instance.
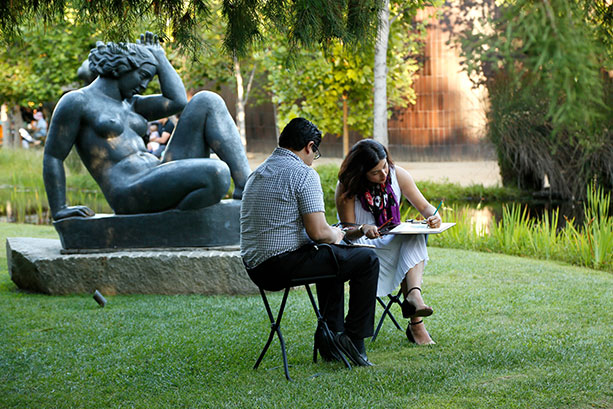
(22, 192)
(589, 244)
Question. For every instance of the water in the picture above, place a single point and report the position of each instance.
(483, 215)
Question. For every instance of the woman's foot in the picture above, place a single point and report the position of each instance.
(414, 306)
(417, 333)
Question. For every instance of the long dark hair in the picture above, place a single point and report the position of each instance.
(362, 157)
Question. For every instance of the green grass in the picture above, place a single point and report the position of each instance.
(511, 333)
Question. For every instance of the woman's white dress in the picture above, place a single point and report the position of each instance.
(397, 253)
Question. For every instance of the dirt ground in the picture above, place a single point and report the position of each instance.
(485, 173)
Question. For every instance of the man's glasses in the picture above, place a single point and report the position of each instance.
(316, 150)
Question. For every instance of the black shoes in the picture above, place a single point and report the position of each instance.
(410, 310)
(324, 343)
(347, 347)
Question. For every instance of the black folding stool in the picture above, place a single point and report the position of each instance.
(393, 299)
(275, 325)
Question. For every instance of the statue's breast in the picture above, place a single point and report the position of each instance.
(109, 126)
(137, 123)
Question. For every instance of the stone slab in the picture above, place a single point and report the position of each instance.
(216, 225)
(38, 265)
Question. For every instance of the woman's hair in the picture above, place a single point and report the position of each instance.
(298, 133)
(115, 59)
(362, 157)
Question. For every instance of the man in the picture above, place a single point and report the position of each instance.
(165, 128)
(282, 219)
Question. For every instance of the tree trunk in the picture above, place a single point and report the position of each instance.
(242, 96)
(380, 80)
(240, 103)
(345, 125)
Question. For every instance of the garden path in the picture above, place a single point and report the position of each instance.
(467, 173)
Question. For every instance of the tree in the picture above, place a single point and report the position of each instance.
(404, 44)
(335, 87)
(42, 65)
(546, 65)
(302, 22)
(219, 68)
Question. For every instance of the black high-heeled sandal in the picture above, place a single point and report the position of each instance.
(409, 333)
(409, 310)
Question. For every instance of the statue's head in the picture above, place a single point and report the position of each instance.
(115, 59)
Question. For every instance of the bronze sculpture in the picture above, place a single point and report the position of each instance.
(106, 120)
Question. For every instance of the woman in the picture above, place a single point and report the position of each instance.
(368, 194)
(106, 122)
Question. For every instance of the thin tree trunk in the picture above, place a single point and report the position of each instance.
(240, 103)
(380, 80)
(345, 125)
(242, 96)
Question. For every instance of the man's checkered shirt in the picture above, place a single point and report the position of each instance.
(276, 195)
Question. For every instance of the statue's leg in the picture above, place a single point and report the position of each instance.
(206, 123)
(182, 184)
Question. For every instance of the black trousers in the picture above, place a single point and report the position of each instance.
(329, 266)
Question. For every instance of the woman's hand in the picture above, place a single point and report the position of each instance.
(434, 222)
(73, 211)
(370, 231)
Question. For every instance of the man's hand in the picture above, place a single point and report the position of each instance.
(340, 233)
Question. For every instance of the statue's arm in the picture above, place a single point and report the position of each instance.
(173, 97)
(62, 135)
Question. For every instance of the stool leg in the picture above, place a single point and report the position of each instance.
(394, 299)
(386, 311)
(275, 327)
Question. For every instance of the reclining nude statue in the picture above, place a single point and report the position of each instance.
(107, 120)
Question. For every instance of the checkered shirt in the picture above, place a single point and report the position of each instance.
(276, 195)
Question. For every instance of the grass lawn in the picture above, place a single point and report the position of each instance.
(511, 333)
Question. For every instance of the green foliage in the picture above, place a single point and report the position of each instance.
(554, 48)
(546, 66)
(305, 22)
(317, 82)
(316, 85)
(43, 63)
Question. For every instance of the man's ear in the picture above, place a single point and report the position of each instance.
(309, 147)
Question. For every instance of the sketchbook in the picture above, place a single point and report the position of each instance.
(419, 228)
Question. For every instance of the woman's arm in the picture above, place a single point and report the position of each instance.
(412, 193)
(173, 98)
(62, 134)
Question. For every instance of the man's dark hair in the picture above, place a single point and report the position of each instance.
(298, 133)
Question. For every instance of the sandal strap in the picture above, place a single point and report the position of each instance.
(414, 288)
(416, 323)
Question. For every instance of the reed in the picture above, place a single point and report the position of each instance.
(22, 191)
(589, 245)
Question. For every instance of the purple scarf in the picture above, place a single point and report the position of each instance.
(381, 201)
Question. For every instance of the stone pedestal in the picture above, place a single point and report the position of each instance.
(216, 225)
(38, 265)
